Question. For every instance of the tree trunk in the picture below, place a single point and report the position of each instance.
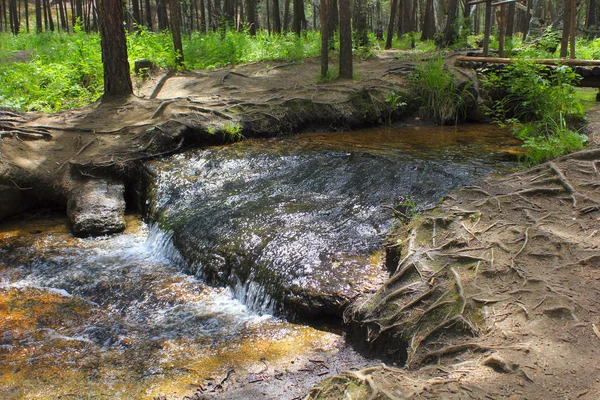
(299, 21)
(135, 9)
(428, 30)
(573, 27)
(379, 22)
(286, 15)
(26, 7)
(324, 11)
(390, 32)
(360, 22)
(251, 16)
(63, 15)
(564, 43)
(487, 30)
(345, 40)
(175, 20)
(590, 20)
(13, 15)
(229, 12)
(276, 17)
(161, 13)
(38, 16)
(451, 30)
(148, 14)
(203, 23)
(117, 81)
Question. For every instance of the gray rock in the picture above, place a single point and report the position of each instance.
(97, 207)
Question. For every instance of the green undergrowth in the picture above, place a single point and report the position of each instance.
(440, 96)
(65, 69)
(542, 105)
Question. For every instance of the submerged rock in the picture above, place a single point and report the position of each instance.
(296, 225)
(97, 207)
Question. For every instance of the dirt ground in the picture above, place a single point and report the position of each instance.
(519, 254)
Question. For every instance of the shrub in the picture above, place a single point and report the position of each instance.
(542, 105)
(441, 98)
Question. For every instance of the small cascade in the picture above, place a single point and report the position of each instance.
(294, 224)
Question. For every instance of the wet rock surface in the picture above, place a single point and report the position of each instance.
(295, 225)
(97, 207)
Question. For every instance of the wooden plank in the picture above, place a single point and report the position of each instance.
(499, 3)
(542, 61)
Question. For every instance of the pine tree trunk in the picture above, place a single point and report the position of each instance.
(148, 14)
(564, 43)
(161, 13)
(38, 16)
(324, 19)
(360, 22)
(117, 81)
(345, 40)
(276, 17)
(451, 30)
(251, 16)
(175, 20)
(286, 16)
(428, 30)
(299, 21)
(590, 20)
(390, 32)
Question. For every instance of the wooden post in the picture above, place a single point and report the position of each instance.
(488, 27)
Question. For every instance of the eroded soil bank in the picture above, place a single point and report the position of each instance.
(495, 293)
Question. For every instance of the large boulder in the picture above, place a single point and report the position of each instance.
(97, 207)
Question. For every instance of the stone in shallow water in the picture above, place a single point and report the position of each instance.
(97, 207)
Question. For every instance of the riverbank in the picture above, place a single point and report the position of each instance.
(494, 293)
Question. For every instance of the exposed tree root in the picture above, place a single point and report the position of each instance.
(482, 260)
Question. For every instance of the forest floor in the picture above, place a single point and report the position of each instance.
(519, 254)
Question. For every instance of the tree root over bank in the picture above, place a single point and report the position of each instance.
(492, 272)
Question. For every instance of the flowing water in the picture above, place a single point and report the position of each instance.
(303, 217)
(116, 317)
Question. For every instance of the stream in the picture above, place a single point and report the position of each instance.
(290, 226)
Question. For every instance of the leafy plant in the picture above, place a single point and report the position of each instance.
(441, 98)
(394, 102)
(541, 104)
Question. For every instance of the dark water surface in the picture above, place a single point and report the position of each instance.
(117, 318)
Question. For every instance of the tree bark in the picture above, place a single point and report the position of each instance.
(345, 40)
(161, 13)
(390, 32)
(117, 80)
(38, 16)
(276, 17)
(428, 30)
(251, 16)
(451, 30)
(488, 28)
(148, 15)
(590, 20)
(175, 20)
(324, 19)
(360, 22)
(564, 43)
(299, 21)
